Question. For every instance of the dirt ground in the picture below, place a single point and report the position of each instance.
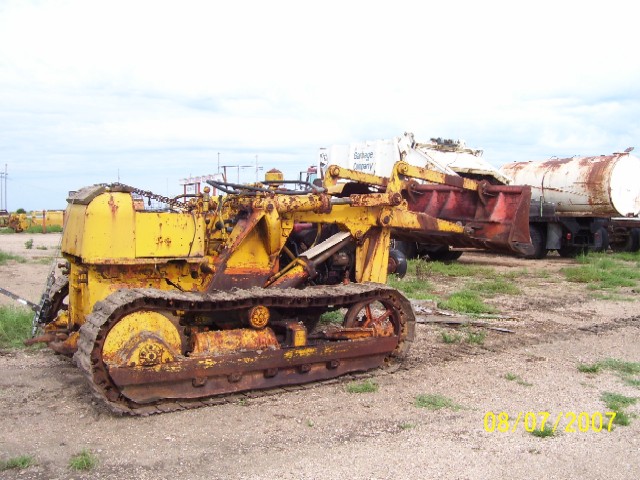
(325, 432)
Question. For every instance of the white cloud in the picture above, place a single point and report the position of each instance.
(157, 89)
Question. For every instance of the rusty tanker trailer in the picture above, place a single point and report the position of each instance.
(581, 204)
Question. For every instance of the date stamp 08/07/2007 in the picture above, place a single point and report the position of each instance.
(529, 421)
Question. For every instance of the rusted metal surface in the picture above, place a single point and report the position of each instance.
(500, 223)
(67, 347)
(603, 185)
(137, 389)
(46, 338)
(224, 342)
(144, 393)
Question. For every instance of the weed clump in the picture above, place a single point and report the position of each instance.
(436, 402)
(366, 386)
(544, 432)
(85, 460)
(617, 402)
(17, 463)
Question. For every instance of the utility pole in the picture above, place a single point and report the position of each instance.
(257, 168)
(3, 189)
(219, 162)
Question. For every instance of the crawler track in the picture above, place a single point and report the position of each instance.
(175, 388)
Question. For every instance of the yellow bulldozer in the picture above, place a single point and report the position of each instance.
(260, 286)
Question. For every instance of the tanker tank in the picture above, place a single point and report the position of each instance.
(582, 204)
(602, 186)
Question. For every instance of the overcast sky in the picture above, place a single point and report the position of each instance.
(152, 91)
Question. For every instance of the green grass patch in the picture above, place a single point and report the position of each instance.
(625, 370)
(476, 336)
(628, 257)
(589, 367)
(333, 317)
(604, 271)
(622, 418)
(620, 366)
(613, 364)
(603, 260)
(15, 326)
(617, 402)
(435, 402)
(5, 257)
(450, 337)
(547, 431)
(366, 386)
(18, 463)
(412, 287)
(85, 460)
(49, 229)
(512, 377)
(466, 301)
(456, 269)
(471, 336)
(495, 286)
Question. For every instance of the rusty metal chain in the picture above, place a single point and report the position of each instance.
(154, 196)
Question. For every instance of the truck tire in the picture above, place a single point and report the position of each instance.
(631, 244)
(604, 243)
(397, 263)
(539, 243)
(634, 242)
(410, 249)
(443, 254)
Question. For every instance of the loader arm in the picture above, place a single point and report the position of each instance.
(446, 181)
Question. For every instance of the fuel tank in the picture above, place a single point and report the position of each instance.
(602, 186)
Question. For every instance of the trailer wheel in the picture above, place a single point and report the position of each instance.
(539, 243)
(631, 244)
(633, 241)
(604, 240)
(443, 254)
(397, 263)
(634, 235)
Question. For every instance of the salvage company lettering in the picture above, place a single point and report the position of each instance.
(363, 161)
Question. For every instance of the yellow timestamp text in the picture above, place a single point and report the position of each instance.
(570, 422)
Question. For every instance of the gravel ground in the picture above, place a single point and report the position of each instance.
(325, 432)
